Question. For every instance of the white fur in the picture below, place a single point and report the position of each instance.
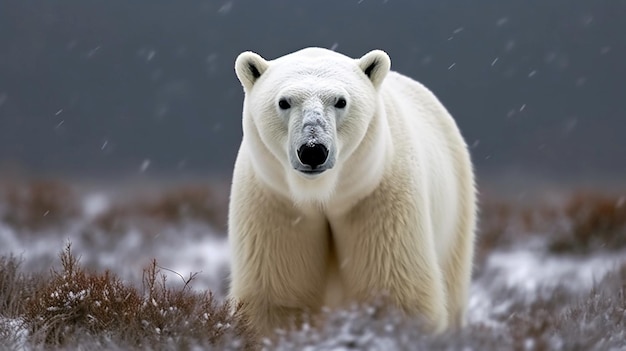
(394, 215)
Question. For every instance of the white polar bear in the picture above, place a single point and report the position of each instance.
(351, 181)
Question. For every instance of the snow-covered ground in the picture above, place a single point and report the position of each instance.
(184, 248)
(194, 247)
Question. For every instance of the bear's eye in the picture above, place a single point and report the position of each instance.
(341, 103)
(283, 104)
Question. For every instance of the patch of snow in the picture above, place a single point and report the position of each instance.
(482, 309)
(8, 240)
(210, 257)
(530, 271)
(18, 333)
(95, 204)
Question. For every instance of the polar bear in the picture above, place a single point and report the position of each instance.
(352, 181)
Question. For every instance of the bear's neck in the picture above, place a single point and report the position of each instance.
(366, 167)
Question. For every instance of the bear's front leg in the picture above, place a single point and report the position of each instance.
(279, 258)
(385, 248)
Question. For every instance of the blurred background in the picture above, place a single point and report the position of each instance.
(110, 90)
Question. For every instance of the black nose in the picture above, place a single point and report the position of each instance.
(313, 155)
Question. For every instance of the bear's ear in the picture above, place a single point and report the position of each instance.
(249, 67)
(375, 64)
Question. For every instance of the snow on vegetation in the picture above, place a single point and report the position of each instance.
(140, 268)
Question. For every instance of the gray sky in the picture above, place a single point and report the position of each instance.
(98, 87)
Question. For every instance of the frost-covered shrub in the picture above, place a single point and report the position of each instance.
(74, 304)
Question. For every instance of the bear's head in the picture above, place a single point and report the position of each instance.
(306, 113)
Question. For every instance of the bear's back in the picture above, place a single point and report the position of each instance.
(425, 133)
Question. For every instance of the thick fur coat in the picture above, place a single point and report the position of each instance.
(351, 182)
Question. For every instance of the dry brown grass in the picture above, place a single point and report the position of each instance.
(496, 218)
(196, 203)
(586, 222)
(73, 307)
(596, 222)
(15, 286)
(73, 304)
(38, 204)
(41, 204)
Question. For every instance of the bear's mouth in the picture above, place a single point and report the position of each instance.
(312, 172)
